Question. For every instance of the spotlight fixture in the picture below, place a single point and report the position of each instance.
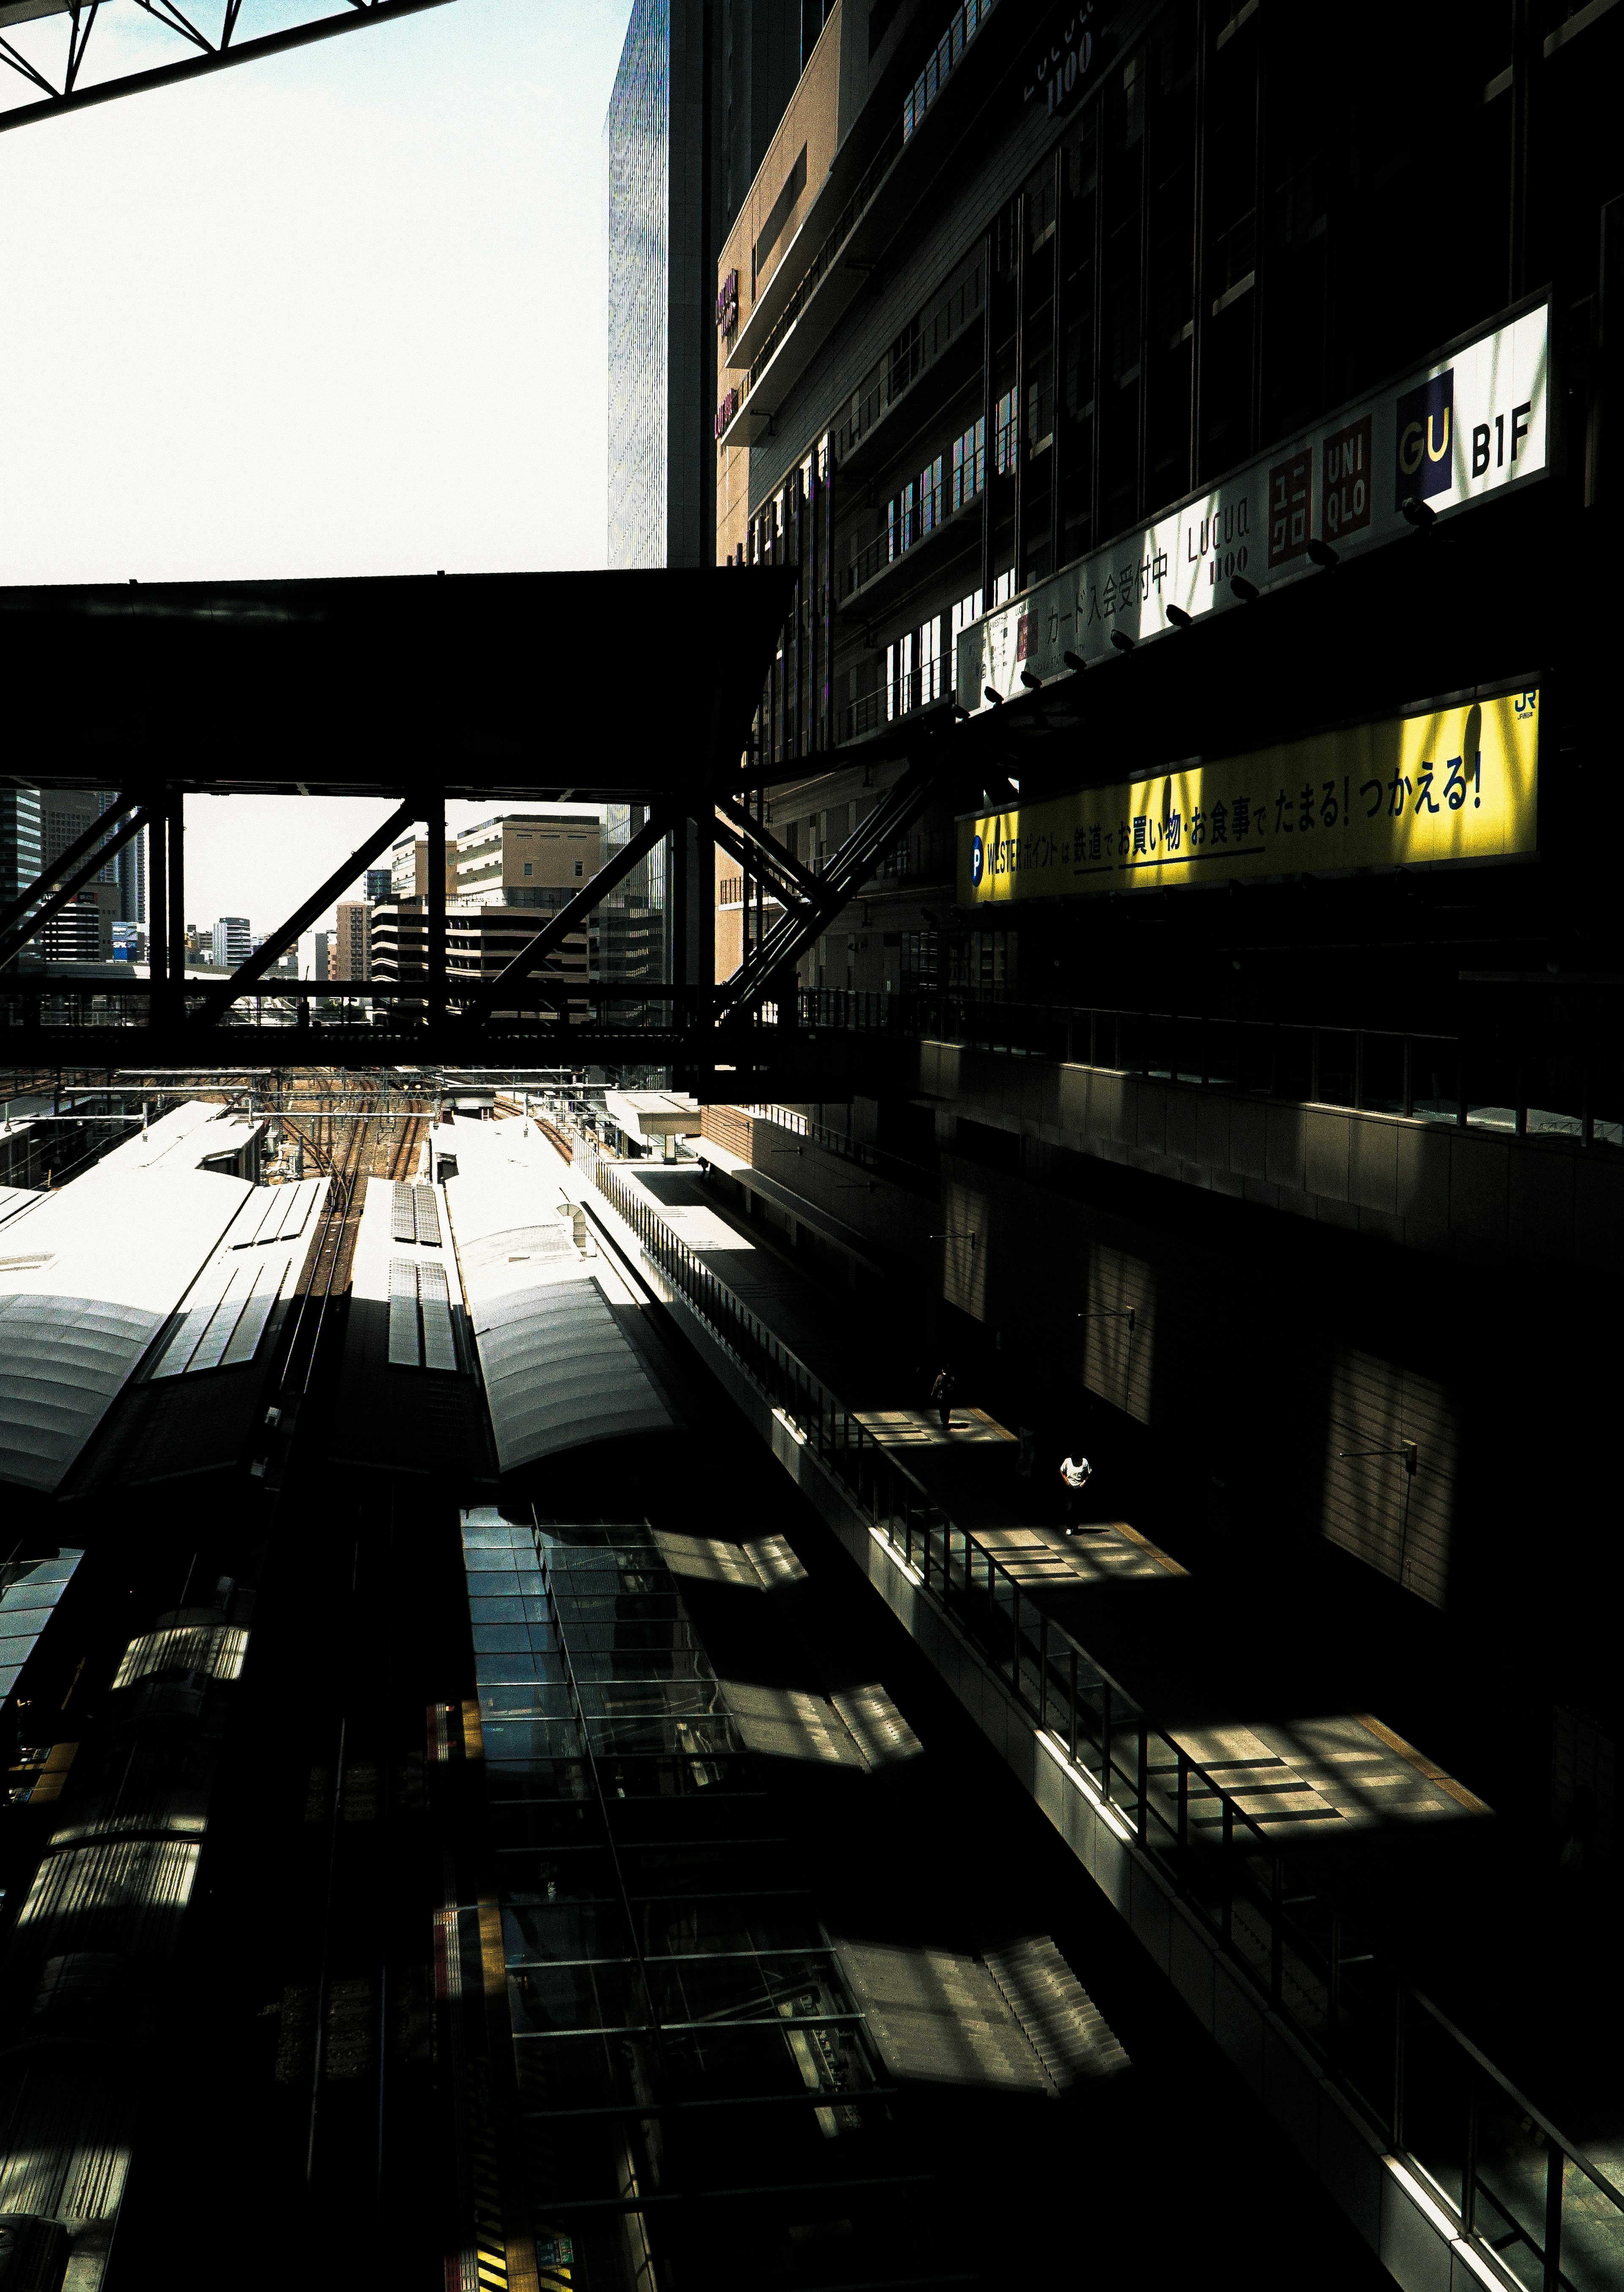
(1122, 640)
(1246, 591)
(1323, 554)
(1415, 512)
(1179, 617)
(1032, 683)
(961, 714)
(1075, 662)
(997, 699)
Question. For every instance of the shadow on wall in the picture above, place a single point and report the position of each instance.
(1384, 1419)
(1016, 1252)
(1118, 1329)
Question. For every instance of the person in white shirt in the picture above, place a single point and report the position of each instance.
(1075, 1471)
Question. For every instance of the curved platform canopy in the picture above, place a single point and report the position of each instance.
(554, 1330)
(478, 684)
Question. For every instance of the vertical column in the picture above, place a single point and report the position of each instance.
(158, 907)
(1259, 235)
(175, 825)
(1198, 218)
(435, 897)
(1021, 410)
(989, 259)
(1059, 438)
(1524, 62)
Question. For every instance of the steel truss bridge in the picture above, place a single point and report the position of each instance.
(56, 60)
(507, 688)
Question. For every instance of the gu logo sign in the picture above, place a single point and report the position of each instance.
(1423, 438)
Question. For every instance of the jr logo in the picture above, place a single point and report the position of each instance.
(1425, 462)
(978, 861)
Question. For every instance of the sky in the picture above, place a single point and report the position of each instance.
(339, 312)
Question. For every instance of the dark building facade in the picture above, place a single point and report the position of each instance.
(1166, 411)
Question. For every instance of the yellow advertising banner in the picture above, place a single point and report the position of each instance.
(1452, 784)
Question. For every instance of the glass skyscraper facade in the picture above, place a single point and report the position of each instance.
(698, 95)
(637, 235)
(20, 855)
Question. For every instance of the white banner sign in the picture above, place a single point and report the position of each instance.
(1467, 426)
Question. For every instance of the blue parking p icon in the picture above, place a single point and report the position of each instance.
(1423, 462)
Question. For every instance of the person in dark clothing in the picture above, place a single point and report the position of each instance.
(941, 1397)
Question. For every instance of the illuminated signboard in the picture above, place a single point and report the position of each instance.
(1453, 784)
(727, 303)
(1469, 425)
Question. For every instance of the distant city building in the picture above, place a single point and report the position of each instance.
(379, 884)
(527, 859)
(82, 931)
(408, 868)
(20, 858)
(131, 867)
(349, 940)
(233, 941)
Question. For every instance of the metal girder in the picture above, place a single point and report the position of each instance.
(735, 1071)
(61, 90)
(48, 876)
(848, 870)
(76, 877)
(477, 1005)
(220, 999)
(764, 856)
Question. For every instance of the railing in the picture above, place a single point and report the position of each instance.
(945, 59)
(845, 222)
(1513, 1078)
(859, 1152)
(1515, 2184)
(918, 687)
(908, 358)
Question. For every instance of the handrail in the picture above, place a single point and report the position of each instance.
(1063, 1702)
(1465, 1080)
(845, 222)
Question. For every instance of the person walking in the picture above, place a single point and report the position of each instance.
(1075, 1472)
(941, 1398)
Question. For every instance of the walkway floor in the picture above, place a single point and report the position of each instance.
(1424, 1859)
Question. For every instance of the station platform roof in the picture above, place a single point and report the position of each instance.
(151, 1268)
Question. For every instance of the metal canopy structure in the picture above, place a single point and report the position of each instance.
(53, 61)
(499, 686)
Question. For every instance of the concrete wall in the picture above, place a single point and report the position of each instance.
(1473, 1194)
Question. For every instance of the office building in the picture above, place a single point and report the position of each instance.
(697, 95)
(1081, 374)
(132, 866)
(232, 941)
(81, 932)
(349, 940)
(380, 882)
(526, 860)
(409, 863)
(20, 854)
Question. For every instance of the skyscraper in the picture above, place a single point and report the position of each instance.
(699, 92)
(20, 857)
(132, 866)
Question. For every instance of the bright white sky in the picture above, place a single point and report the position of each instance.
(341, 311)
